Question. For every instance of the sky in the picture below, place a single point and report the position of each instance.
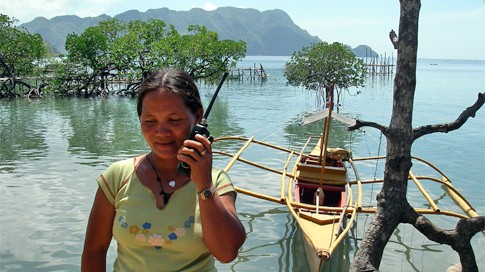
(448, 29)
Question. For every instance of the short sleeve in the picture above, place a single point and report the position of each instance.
(115, 177)
(222, 182)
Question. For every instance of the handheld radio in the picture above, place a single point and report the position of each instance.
(201, 128)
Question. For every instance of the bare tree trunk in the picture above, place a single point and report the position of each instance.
(392, 201)
(392, 205)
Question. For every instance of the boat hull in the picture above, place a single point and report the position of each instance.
(323, 186)
(336, 260)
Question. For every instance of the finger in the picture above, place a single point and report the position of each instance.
(193, 153)
(204, 141)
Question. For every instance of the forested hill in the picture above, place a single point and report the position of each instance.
(267, 33)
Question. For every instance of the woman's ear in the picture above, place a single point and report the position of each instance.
(199, 115)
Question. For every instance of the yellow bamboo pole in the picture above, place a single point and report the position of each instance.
(258, 195)
(283, 176)
(424, 192)
(240, 138)
(359, 185)
(238, 154)
(445, 181)
(350, 210)
(251, 163)
(459, 199)
(292, 179)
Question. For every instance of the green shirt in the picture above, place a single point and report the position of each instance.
(150, 239)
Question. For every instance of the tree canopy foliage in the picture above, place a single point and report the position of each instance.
(110, 52)
(114, 50)
(317, 66)
(20, 56)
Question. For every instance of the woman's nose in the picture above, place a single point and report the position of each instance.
(162, 128)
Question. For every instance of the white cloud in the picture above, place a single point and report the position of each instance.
(209, 6)
(27, 10)
(93, 8)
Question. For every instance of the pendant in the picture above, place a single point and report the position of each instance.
(166, 197)
(171, 183)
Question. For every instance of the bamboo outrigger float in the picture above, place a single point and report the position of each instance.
(324, 191)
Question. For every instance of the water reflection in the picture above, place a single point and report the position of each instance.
(222, 122)
(93, 128)
(21, 132)
(284, 245)
(102, 127)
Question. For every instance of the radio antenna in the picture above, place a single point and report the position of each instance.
(206, 114)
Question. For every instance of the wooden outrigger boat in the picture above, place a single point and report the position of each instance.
(321, 184)
(322, 202)
(325, 196)
(324, 191)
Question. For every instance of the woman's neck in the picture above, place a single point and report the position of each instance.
(166, 166)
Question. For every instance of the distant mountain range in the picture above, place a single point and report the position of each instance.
(267, 33)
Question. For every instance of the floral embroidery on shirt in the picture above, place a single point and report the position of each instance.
(134, 229)
(122, 222)
(147, 225)
(157, 240)
(140, 238)
(189, 222)
(172, 236)
(180, 231)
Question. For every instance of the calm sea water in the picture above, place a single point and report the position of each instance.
(52, 150)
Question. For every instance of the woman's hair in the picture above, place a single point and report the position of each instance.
(172, 80)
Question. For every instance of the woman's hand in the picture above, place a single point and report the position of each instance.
(222, 231)
(198, 155)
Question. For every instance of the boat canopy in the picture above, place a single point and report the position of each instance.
(324, 114)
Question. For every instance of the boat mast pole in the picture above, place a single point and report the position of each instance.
(325, 134)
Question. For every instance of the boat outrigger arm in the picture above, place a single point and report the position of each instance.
(442, 179)
(292, 154)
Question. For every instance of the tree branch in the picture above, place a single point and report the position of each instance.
(394, 39)
(458, 238)
(468, 112)
(359, 124)
(6, 66)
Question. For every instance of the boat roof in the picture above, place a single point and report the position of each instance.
(324, 114)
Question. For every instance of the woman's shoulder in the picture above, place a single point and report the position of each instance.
(218, 173)
(127, 163)
(123, 167)
(117, 175)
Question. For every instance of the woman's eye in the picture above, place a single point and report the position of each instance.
(149, 121)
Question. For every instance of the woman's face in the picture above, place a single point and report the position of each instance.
(165, 122)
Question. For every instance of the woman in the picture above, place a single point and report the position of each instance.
(161, 219)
